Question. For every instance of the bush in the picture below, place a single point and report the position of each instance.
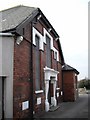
(84, 83)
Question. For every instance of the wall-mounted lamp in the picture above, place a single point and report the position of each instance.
(56, 39)
(49, 29)
(63, 66)
(39, 17)
(19, 40)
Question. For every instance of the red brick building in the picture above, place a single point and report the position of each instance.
(31, 74)
(70, 83)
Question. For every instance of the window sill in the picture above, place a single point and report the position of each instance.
(39, 91)
(58, 88)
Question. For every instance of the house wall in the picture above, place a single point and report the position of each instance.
(6, 69)
(0, 98)
(69, 86)
(54, 65)
(76, 86)
(0, 55)
(22, 78)
(22, 74)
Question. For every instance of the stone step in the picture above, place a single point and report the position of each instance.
(54, 108)
(51, 106)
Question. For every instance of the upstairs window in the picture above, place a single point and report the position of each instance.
(48, 52)
(55, 55)
(37, 63)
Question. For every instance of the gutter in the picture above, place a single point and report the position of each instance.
(6, 34)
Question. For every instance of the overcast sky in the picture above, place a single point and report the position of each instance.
(70, 20)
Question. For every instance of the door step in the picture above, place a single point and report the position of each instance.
(51, 106)
(54, 108)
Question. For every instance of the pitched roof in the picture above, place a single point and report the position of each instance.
(12, 17)
(69, 68)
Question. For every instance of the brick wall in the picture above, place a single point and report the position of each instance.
(59, 82)
(22, 73)
(68, 85)
(54, 65)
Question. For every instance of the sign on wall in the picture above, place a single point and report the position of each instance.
(38, 101)
(25, 105)
(58, 94)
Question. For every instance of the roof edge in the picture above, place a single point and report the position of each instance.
(69, 68)
(6, 34)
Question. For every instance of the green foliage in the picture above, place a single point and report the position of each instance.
(84, 83)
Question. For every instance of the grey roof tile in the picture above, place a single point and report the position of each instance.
(69, 68)
(12, 17)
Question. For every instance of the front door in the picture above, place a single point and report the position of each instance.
(1, 98)
(50, 92)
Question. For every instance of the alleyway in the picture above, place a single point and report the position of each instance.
(77, 109)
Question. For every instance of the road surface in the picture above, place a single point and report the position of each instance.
(77, 109)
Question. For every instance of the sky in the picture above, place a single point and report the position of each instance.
(70, 20)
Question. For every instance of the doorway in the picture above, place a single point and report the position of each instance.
(2, 97)
(50, 92)
(50, 87)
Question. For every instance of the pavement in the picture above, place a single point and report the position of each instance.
(77, 109)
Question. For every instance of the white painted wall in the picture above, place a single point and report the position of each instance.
(0, 98)
(6, 69)
(0, 56)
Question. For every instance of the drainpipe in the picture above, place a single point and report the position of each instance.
(62, 86)
(32, 88)
(31, 66)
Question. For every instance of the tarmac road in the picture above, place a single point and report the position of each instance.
(77, 109)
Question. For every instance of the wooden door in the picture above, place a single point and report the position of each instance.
(49, 93)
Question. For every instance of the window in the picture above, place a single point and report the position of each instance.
(37, 63)
(55, 55)
(48, 52)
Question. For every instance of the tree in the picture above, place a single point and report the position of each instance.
(84, 83)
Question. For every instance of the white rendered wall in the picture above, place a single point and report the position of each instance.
(6, 69)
